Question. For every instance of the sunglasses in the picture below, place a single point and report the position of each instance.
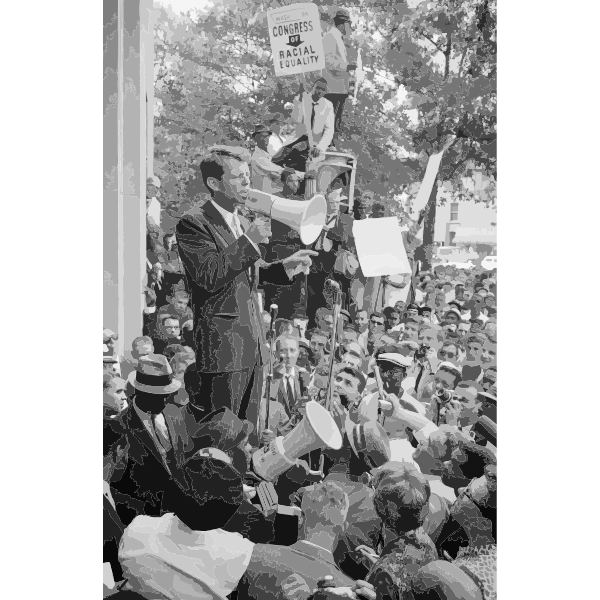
(448, 354)
(473, 348)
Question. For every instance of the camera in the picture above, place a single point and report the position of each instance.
(422, 351)
(444, 396)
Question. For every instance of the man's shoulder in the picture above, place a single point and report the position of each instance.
(328, 104)
(195, 215)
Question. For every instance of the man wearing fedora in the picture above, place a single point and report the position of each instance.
(338, 68)
(220, 254)
(267, 176)
(156, 439)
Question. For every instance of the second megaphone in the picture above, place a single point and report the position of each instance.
(307, 217)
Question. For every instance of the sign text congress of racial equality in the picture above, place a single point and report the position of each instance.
(296, 39)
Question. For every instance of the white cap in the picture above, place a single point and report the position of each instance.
(395, 358)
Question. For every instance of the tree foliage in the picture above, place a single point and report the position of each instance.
(431, 81)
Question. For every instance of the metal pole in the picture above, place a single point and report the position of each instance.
(337, 301)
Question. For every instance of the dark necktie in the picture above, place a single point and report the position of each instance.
(419, 376)
(289, 390)
(312, 116)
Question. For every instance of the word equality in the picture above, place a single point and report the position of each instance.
(296, 56)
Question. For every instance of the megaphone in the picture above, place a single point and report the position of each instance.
(307, 218)
(316, 430)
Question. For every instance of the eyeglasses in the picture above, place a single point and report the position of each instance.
(473, 348)
(448, 354)
(467, 493)
(376, 322)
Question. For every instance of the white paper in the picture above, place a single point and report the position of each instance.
(107, 576)
(380, 247)
(422, 198)
(296, 39)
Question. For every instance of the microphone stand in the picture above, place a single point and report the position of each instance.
(337, 307)
(270, 374)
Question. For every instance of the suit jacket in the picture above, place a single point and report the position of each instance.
(143, 476)
(112, 532)
(287, 572)
(323, 127)
(337, 62)
(227, 322)
(301, 382)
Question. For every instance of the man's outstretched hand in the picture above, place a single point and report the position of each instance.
(299, 262)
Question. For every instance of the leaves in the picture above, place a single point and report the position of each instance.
(214, 81)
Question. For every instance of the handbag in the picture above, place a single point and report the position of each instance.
(346, 263)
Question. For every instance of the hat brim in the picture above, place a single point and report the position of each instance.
(154, 389)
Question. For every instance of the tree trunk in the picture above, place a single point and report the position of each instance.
(425, 252)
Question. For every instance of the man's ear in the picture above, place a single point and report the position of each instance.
(213, 183)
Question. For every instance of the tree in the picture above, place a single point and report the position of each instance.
(431, 81)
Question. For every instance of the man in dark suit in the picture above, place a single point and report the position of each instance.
(145, 459)
(282, 572)
(220, 254)
(114, 457)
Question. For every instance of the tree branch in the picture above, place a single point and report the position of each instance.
(441, 49)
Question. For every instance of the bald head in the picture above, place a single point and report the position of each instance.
(441, 579)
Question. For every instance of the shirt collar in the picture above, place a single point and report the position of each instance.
(224, 213)
(261, 152)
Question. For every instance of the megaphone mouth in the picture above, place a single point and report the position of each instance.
(314, 219)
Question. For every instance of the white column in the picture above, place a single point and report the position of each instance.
(128, 55)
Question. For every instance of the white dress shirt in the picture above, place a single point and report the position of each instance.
(106, 492)
(163, 558)
(275, 144)
(323, 126)
(234, 223)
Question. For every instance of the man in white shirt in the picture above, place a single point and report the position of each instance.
(338, 68)
(266, 175)
(274, 121)
(316, 111)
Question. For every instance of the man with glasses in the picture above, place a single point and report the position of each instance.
(449, 353)
(367, 339)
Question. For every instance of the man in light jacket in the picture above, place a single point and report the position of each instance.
(338, 68)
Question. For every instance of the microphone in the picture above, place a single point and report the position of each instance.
(273, 312)
(332, 283)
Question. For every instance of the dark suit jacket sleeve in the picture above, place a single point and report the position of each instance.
(208, 266)
(274, 274)
(250, 522)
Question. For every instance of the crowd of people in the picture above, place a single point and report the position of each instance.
(405, 508)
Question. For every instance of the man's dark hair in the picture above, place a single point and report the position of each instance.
(412, 306)
(113, 434)
(213, 166)
(356, 374)
(388, 311)
(475, 339)
(321, 80)
(425, 309)
(376, 314)
(477, 459)
(452, 371)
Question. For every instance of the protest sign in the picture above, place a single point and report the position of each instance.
(296, 40)
(380, 247)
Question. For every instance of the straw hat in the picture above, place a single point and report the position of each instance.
(154, 375)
